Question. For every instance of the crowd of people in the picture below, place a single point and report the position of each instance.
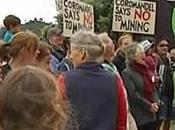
(87, 82)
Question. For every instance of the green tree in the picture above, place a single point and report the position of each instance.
(59, 20)
(36, 26)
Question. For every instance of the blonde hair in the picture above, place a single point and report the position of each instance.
(23, 39)
(123, 36)
(104, 37)
(172, 51)
(29, 99)
(106, 40)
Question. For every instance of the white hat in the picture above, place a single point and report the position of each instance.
(145, 45)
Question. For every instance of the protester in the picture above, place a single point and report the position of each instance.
(119, 59)
(12, 23)
(43, 58)
(139, 85)
(172, 59)
(23, 51)
(108, 56)
(3, 53)
(55, 39)
(109, 52)
(66, 64)
(166, 85)
(150, 55)
(30, 100)
(3, 58)
(150, 58)
(97, 95)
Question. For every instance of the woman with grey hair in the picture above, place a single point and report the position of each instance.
(86, 46)
(139, 85)
(97, 95)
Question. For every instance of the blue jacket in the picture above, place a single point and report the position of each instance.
(57, 56)
(91, 91)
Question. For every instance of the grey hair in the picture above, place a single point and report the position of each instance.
(132, 50)
(90, 43)
(104, 37)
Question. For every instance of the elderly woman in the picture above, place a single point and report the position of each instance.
(138, 82)
(97, 95)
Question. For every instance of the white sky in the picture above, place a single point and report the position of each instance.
(28, 9)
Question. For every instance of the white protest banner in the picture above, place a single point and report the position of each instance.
(134, 16)
(77, 16)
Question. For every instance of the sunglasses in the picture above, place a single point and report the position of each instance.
(163, 45)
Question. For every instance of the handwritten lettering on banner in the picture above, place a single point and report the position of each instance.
(134, 16)
(77, 16)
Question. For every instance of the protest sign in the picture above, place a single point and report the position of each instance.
(77, 16)
(134, 16)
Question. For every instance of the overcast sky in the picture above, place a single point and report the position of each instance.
(28, 9)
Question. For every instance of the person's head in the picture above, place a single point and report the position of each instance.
(55, 36)
(30, 100)
(135, 53)
(172, 53)
(86, 47)
(3, 52)
(43, 58)
(24, 48)
(67, 46)
(12, 23)
(109, 48)
(124, 40)
(148, 46)
(163, 47)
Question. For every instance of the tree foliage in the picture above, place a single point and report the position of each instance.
(36, 26)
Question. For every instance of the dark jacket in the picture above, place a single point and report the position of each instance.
(166, 74)
(5, 70)
(96, 98)
(119, 61)
(139, 105)
(57, 55)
